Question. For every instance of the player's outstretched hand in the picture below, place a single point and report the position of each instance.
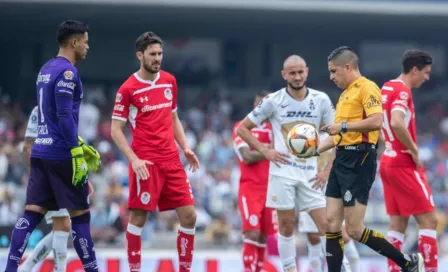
(276, 157)
(79, 165)
(320, 180)
(140, 169)
(192, 159)
(414, 158)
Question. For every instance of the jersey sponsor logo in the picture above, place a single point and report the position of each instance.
(119, 107)
(302, 114)
(69, 75)
(400, 102)
(301, 166)
(145, 198)
(373, 102)
(157, 107)
(118, 98)
(143, 99)
(284, 106)
(70, 85)
(34, 119)
(44, 141)
(43, 78)
(168, 94)
(404, 95)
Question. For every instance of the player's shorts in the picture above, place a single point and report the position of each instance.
(285, 193)
(352, 175)
(306, 223)
(166, 188)
(61, 213)
(50, 186)
(255, 216)
(406, 191)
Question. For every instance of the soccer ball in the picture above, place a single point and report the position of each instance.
(303, 140)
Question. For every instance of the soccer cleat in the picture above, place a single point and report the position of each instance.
(415, 263)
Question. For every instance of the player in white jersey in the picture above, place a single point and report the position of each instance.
(290, 178)
(57, 239)
(307, 225)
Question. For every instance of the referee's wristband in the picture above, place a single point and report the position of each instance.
(344, 127)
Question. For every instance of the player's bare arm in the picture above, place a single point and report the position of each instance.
(326, 145)
(181, 139)
(398, 125)
(371, 123)
(29, 141)
(250, 156)
(139, 166)
(243, 131)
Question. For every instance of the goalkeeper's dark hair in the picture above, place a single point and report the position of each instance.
(68, 29)
(146, 39)
(415, 58)
(343, 55)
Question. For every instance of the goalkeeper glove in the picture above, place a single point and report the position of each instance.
(79, 164)
(92, 157)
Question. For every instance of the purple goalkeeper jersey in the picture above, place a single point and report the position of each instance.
(59, 94)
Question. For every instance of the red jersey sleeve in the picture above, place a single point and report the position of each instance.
(174, 106)
(122, 103)
(400, 101)
(238, 142)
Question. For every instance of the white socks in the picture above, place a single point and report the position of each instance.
(315, 257)
(352, 254)
(287, 250)
(42, 249)
(60, 250)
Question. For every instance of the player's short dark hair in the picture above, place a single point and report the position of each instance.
(415, 58)
(146, 39)
(68, 28)
(262, 93)
(343, 55)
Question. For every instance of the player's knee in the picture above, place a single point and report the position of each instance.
(61, 224)
(354, 231)
(35, 208)
(188, 219)
(429, 222)
(333, 224)
(253, 235)
(313, 238)
(286, 226)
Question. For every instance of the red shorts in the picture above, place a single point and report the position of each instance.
(167, 188)
(406, 191)
(255, 215)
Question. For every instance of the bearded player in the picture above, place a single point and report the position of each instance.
(258, 220)
(290, 179)
(148, 98)
(406, 190)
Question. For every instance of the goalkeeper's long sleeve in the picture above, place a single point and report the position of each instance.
(67, 124)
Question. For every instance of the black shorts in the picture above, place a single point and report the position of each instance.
(352, 176)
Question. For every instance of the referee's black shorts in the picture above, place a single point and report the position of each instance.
(353, 173)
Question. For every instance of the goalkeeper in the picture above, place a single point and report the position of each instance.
(59, 162)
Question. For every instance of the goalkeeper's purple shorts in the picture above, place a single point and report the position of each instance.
(50, 186)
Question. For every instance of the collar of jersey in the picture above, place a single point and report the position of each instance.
(306, 95)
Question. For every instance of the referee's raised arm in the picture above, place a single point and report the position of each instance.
(358, 119)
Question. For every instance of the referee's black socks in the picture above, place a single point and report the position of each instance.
(380, 244)
(335, 250)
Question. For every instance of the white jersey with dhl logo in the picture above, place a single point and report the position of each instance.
(284, 112)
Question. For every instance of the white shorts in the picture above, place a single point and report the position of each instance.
(306, 223)
(50, 214)
(284, 194)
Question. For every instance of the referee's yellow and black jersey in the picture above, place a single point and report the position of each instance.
(361, 99)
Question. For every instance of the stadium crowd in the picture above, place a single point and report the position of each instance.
(208, 124)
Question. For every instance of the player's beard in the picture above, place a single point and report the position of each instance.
(148, 67)
(297, 88)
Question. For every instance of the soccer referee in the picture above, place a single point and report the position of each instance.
(358, 119)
